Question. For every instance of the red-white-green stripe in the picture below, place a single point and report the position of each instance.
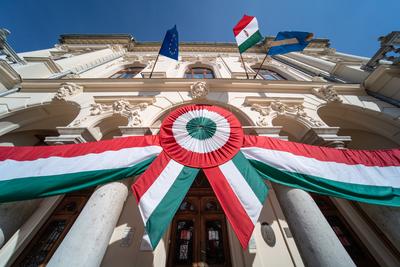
(368, 176)
(159, 192)
(33, 172)
(241, 193)
(247, 33)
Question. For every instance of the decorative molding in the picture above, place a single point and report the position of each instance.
(131, 99)
(250, 100)
(199, 90)
(183, 85)
(325, 136)
(71, 135)
(122, 107)
(71, 76)
(270, 108)
(67, 90)
(327, 93)
(8, 76)
(264, 112)
(134, 131)
(48, 62)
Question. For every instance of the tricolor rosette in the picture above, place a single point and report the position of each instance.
(201, 136)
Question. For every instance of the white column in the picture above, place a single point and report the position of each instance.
(13, 215)
(315, 239)
(87, 240)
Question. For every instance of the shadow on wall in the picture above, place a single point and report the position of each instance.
(29, 126)
(124, 248)
(368, 129)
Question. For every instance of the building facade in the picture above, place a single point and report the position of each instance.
(97, 87)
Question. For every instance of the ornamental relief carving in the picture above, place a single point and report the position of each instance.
(121, 107)
(327, 93)
(275, 108)
(67, 90)
(199, 90)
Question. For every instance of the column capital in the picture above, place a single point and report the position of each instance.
(71, 135)
(272, 131)
(134, 131)
(325, 136)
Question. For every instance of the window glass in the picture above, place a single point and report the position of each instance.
(184, 241)
(127, 73)
(269, 75)
(199, 73)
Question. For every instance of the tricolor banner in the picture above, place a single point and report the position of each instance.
(193, 138)
(367, 176)
(247, 33)
(34, 172)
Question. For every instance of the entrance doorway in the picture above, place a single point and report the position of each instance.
(199, 233)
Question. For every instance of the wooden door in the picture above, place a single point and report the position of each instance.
(199, 233)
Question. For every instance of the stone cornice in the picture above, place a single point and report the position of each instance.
(132, 45)
(316, 45)
(131, 99)
(182, 84)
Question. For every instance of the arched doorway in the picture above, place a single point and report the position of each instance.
(198, 233)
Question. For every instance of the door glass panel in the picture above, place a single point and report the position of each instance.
(184, 242)
(43, 247)
(214, 244)
(186, 206)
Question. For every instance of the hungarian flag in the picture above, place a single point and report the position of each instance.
(247, 33)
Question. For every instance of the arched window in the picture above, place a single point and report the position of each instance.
(199, 73)
(127, 73)
(269, 75)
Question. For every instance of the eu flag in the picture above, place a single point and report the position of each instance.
(286, 42)
(170, 45)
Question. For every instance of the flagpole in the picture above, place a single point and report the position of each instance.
(244, 66)
(151, 73)
(262, 63)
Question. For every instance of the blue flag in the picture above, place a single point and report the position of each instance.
(286, 42)
(170, 45)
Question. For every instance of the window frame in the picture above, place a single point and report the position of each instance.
(129, 72)
(191, 72)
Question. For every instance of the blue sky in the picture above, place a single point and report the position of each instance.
(352, 26)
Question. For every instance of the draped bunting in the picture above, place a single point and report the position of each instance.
(206, 137)
(200, 137)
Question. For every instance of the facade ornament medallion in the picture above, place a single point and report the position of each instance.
(122, 107)
(68, 90)
(199, 90)
(327, 93)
